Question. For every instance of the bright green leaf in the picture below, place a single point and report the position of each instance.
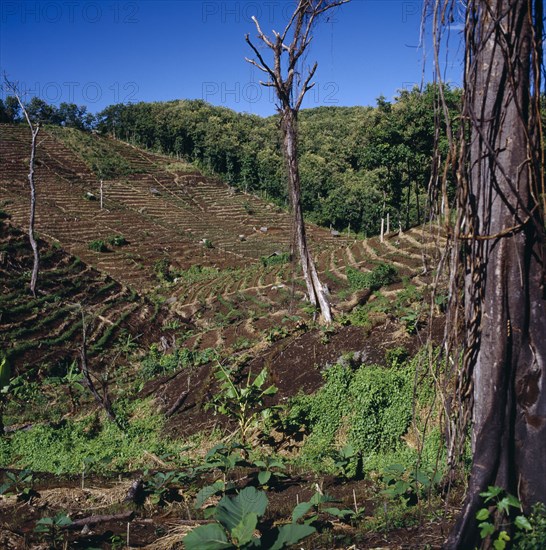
(207, 537)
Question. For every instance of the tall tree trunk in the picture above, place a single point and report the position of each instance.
(505, 298)
(317, 295)
(33, 243)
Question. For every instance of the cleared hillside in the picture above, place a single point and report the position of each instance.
(164, 210)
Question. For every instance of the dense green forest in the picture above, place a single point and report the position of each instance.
(356, 163)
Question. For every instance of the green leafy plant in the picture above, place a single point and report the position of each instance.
(276, 333)
(18, 483)
(162, 270)
(53, 529)
(245, 403)
(270, 470)
(160, 485)
(222, 457)
(407, 485)
(311, 510)
(535, 537)
(382, 274)
(275, 259)
(118, 240)
(347, 462)
(98, 246)
(497, 529)
(237, 519)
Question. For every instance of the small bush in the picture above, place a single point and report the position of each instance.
(162, 270)
(275, 259)
(97, 246)
(118, 240)
(157, 363)
(381, 275)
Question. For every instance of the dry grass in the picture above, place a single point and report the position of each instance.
(88, 498)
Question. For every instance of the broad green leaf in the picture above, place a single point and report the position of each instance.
(504, 505)
(521, 522)
(482, 514)
(337, 512)
(231, 511)
(300, 510)
(243, 532)
(421, 478)
(5, 372)
(500, 543)
(491, 493)
(513, 501)
(291, 534)
(63, 520)
(317, 498)
(206, 492)
(260, 379)
(207, 537)
(272, 390)
(264, 477)
(486, 529)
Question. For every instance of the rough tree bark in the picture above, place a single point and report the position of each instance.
(34, 129)
(503, 250)
(290, 92)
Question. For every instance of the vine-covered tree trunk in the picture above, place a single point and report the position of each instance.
(314, 287)
(503, 227)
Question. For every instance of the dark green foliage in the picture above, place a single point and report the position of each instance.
(237, 518)
(370, 409)
(118, 240)
(275, 259)
(98, 246)
(356, 163)
(157, 363)
(162, 269)
(535, 537)
(382, 274)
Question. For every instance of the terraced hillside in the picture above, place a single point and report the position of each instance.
(163, 210)
(47, 330)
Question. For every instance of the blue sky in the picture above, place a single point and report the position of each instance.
(100, 52)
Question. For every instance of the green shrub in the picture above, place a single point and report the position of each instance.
(381, 275)
(534, 538)
(118, 240)
(98, 246)
(275, 259)
(162, 270)
(158, 363)
(369, 408)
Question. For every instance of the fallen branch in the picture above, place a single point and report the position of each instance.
(94, 520)
(178, 403)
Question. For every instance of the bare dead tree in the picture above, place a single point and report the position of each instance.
(104, 399)
(34, 129)
(498, 261)
(290, 88)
